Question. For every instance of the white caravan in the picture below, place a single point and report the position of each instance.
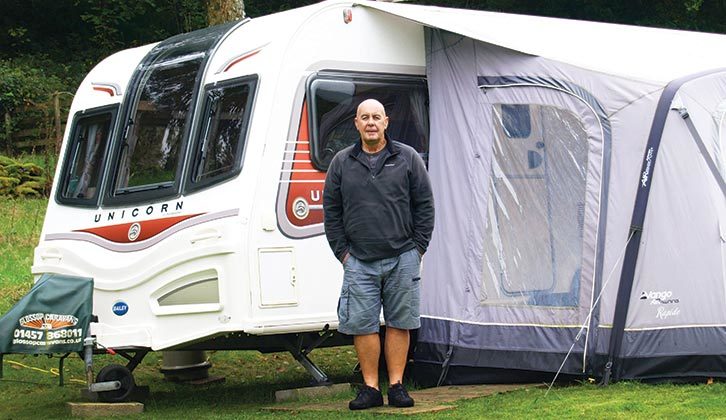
(190, 183)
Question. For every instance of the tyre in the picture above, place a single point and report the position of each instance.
(116, 373)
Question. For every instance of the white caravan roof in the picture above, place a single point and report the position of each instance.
(657, 55)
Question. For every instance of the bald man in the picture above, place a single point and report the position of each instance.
(379, 215)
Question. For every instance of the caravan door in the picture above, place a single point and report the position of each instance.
(543, 194)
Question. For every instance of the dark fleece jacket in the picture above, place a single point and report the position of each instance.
(380, 212)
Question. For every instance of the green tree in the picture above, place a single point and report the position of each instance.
(119, 24)
(23, 87)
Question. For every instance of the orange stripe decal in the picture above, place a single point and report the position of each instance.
(307, 186)
(136, 231)
(105, 89)
(236, 61)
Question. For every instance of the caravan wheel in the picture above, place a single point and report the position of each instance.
(116, 373)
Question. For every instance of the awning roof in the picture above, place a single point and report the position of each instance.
(658, 55)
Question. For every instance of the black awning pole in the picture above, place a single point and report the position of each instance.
(622, 303)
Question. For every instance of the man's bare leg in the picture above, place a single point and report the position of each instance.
(396, 350)
(368, 348)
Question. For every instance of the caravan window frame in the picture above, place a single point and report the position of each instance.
(203, 132)
(78, 118)
(158, 190)
(401, 80)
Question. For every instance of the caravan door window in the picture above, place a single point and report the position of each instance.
(84, 159)
(227, 112)
(534, 225)
(333, 101)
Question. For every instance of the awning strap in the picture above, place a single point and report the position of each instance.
(702, 148)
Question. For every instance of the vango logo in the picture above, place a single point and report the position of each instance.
(665, 294)
(662, 297)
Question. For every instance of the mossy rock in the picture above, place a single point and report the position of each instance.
(26, 191)
(40, 179)
(31, 169)
(31, 184)
(8, 182)
(13, 169)
(18, 179)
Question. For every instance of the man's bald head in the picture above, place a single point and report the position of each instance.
(371, 122)
(371, 105)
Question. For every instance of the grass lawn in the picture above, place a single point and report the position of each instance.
(20, 223)
(30, 388)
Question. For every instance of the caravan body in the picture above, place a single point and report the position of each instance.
(188, 187)
(577, 170)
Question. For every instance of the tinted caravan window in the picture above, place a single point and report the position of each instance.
(159, 114)
(227, 114)
(155, 137)
(84, 160)
(334, 101)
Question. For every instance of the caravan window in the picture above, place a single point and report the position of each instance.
(516, 122)
(333, 101)
(155, 132)
(227, 115)
(84, 159)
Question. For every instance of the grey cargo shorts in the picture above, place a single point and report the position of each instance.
(367, 285)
